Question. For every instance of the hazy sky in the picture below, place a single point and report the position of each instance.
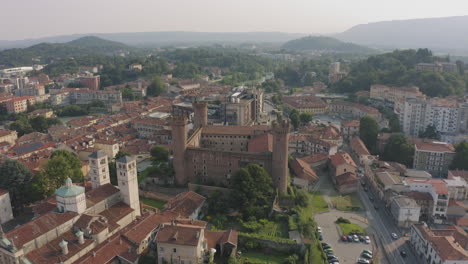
(22, 19)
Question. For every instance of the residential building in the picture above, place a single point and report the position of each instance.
(437, 188)
(434, 157)
(342, 171)
(334, 73)
(405, 211)
(350, 128)
(305, 104)
(108, 146)
(354, 110)
(6, 213)
(441, 246)
(304, 171)
(437, 67)
(244, 108)
(148, 127)
(360, 151)
(307, 145)
(91, 82)
(135, 67)
(9, 136)
(19, 104)
(34, 90)
(85, 96)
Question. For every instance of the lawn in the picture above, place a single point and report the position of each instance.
(261, 258)
(317, 254)
(152, 202)
(347, 202)
(317, 202)
(264, 227)
(351, 228)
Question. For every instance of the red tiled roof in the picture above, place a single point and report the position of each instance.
(304, 102)
(185, 204)
(358, 146)
(350, 123)
(214, 238)
(439, 185)
(434, 147)
(100, 193)
(37, 227)
(144, 227)
(346, 178)
(446, 242)
(6, 132)
(303, 170)
(234, 130)
(179, 235)
(419, 196)
(314, 158)
(341, 158)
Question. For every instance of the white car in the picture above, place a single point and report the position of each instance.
(394, 236)
(355, 238)
(363, 261)
(319, 229)
(367, 240)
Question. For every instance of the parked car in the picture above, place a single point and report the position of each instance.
(320, 237)
(328, 250)
(363, 261)
(361, 239)
(367, 239)
(366, 256)
(355, 238)
(394, 236)
(326, 247)
(331, 257)
(324, 244)
(319, 229)
(344, 238)
(332, 260)
(367, 251)
(403, 253)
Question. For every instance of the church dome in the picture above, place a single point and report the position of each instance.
(70, 190)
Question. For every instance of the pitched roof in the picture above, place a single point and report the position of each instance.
(341, 158)
(185, 204)
(346, 178)
(350, 123)
(214, 238)
(439, 185)
(149, 222)
(179, 235)
(449, 243)
(315, 158)
(100, 194)
(434, 147)
(303, 170)
(126, 159)
(359, 147)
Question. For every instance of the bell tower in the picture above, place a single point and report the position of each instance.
(280, 154)
(98, 169)
(200, 116)
(128, 182)
(179, 145)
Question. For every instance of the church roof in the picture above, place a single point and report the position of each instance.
(70, 190)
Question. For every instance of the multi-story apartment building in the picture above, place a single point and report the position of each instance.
(405, 211)
(437, 67)
(394, 94)
(244, 108)
(305, 104)
(437, 188)
(350, 129)
(9, 136)
(150, 127)
(19, 104)
(91, 82)
(447, 115)
(441, 246)
(35, 90)
(434, 157)
(354, 110)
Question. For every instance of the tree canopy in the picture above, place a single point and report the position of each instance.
(252, 192)
(159, 154)
(156, 87)
(430, 132)
(368, 131)
(460, 161)
(399, 149)
(15, 178)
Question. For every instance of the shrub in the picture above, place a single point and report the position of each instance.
(343, 221)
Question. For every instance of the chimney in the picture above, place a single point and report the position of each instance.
(80, 236)
(64, 246)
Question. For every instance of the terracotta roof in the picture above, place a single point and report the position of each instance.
(341, 158)
(303, 170)
(100, 193)
(116, 213)
(458, 173)
(350, 123)
(419, 195)
(434, 147)
(179, 235)
(446, 242)
(315, 158)
(440, 187)
(261, 143)
(52, 252)
(346, 178)
(214, 238)
(37, 227)
(185, 204)
(234, 130)
(6, 132)
(304, 102)
(359, 147)
(462, 221)
(143, 228)
(3, 192)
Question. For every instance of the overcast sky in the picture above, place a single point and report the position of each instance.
(22, 19)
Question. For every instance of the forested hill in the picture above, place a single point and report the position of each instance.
(320, 43)
(398, 69)
(47, 52)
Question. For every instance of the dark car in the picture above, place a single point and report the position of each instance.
(403, 253)
(344, 238)
(329, 257)
(362, 239)
(350, 238)
(321, 237)
(324, 244)
(333, 260)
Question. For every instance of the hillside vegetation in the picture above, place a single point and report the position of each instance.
(320, 43)
(397, 68)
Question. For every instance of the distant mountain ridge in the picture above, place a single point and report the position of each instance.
(447, 34)
(156, 39)
(321, 43)
(46, 52)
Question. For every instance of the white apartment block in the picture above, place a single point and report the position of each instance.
(437, 188)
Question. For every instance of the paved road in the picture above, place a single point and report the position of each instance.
(384, 225)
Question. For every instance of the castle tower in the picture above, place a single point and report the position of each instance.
(71, 198)
(98, 169)
(179, 145)
(128, 182)
(200, 116)
(280, 154)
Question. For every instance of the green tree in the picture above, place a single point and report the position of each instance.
(159, 154)
(156, 87)
(252, 192)
(368, 131)
(430, 132)
(127, 94)
(22, 126)
(61, 165)
(460, 161)
(295, 118)
(399, 149)
(16, 178)
(305, 117)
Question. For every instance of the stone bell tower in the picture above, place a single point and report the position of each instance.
(280, 154)
(128, 182)
(179, 146)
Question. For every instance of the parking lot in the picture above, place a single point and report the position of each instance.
(347, 252)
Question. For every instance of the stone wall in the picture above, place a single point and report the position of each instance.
(155, 195)
(282, 245)
(207, 190)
